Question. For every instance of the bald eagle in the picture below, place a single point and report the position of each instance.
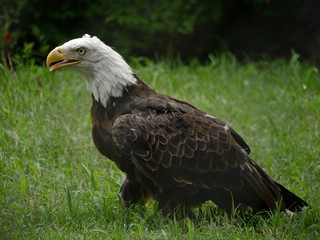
(169, 150)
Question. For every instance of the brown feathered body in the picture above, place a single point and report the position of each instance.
(178, 155)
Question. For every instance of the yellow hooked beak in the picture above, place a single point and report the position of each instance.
(57, 59)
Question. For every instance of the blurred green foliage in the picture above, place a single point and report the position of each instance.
(154, 28)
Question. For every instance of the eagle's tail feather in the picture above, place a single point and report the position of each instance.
(292, 202)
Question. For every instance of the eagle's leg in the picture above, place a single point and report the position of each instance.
(132, 192)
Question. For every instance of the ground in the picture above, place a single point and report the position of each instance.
(55, 185)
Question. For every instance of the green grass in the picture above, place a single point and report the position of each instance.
(55, 185)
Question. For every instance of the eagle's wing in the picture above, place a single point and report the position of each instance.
(190, 150)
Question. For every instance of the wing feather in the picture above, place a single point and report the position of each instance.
(185, 148)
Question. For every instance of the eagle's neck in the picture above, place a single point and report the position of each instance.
(110, 77)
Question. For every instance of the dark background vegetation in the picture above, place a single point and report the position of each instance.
(190, 29)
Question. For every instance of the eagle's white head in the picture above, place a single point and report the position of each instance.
(106, 72)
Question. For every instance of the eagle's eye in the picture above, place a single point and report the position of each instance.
(81, 51)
